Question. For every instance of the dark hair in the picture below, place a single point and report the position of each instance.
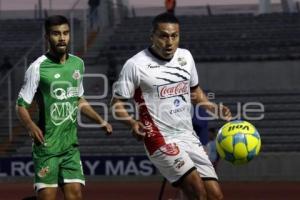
(212, 133)
(164, 18)
(55, 20)
(212, 130)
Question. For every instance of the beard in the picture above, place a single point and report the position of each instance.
(58, 50)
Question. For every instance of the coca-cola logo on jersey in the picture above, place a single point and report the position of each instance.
(174, 89)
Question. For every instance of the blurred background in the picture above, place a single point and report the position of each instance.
(247, 53)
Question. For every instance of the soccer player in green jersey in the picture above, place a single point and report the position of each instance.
(54, 80)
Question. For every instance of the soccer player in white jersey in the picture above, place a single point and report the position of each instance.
(54, 80)
(163, 81)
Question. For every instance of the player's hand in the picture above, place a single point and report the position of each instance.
(35, 133)
(107, 127)
(138, 130)
(225, 113)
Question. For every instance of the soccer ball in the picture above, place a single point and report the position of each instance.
(238, 142)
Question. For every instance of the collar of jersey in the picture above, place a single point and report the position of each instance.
(55, 59)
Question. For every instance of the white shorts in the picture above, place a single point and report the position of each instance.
(176, 160)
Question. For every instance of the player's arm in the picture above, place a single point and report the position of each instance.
(119, 110)
(34, 131)
(88, 111)
(25, 98)
(124, 89)
(198, 97)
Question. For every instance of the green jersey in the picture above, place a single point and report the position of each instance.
(56, 88)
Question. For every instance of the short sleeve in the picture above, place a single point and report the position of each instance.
(81, 89)
(29, 87)
(194, 75)
(128, 81)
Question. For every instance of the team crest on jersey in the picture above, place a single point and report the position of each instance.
(43, 172)
(181, 61)
(76, 75)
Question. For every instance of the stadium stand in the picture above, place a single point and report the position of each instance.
(229, 37)
(18, 36)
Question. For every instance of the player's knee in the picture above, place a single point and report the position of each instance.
(218, 196)
(200, 193)
(195, 191)
(215, 196)
(46, 194)
(74, 194)
(73, 191)
(201, 196)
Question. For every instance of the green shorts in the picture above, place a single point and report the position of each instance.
(52, 171)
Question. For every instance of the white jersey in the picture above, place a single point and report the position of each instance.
(161, 89)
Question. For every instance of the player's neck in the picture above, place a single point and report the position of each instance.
(59, 58)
